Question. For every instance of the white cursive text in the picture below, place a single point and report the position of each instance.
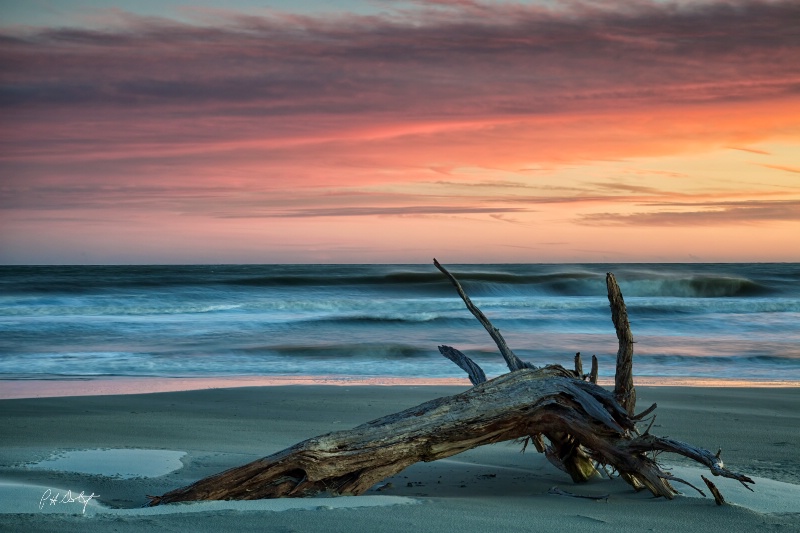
(66, 498)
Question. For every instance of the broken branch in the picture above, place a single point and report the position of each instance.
(624, 390)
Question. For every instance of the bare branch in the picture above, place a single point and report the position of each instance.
(645, 412)
(714, 491)
(513, 362)
(623, 378)
(578, 366)
(594, 370)
(475, 372)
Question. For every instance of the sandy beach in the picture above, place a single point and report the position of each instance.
(202, 432)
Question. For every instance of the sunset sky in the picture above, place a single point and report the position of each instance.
(381, 132)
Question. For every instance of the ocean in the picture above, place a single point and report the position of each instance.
(737, 321)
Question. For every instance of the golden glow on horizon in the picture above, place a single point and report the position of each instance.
(296, 151)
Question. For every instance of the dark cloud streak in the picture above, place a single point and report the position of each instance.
(720, 213)
(506, 59)
(354, 211)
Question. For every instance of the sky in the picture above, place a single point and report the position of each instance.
(381, 131)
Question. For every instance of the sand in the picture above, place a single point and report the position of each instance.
(120, 448)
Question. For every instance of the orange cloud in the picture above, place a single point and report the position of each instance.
(467, 112)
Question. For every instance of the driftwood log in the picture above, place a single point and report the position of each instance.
(579, 426)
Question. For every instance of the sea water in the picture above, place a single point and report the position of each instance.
(689, 320)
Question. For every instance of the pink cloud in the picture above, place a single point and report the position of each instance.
(470, 60)
(243, 116)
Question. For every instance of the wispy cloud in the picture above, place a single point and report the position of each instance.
(282, 78)
(795, 170)
(501, 59)
(410, 210)
(502, 217)
(545, 113)
(750, 150)
(628, 187)
(709, 214)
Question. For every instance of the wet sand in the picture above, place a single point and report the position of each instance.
(493, 487)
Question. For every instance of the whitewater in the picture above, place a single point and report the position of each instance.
(737, 321)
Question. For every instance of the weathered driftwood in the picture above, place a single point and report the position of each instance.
(595, 369)
(623, 377)
(474, 372)
(577, 424)
(718, 498)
